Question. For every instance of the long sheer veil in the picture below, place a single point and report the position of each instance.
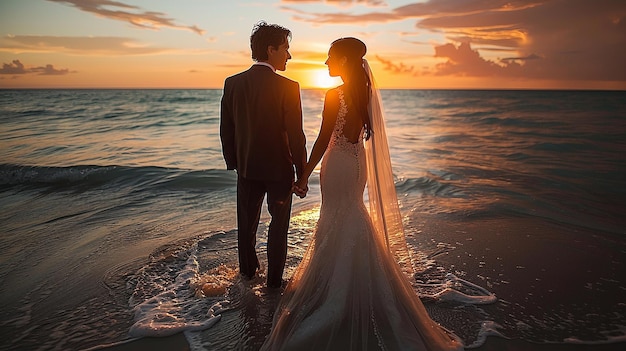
(383, 202)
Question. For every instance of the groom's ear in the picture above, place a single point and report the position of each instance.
(270, 50)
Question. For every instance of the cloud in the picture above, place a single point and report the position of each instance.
(17, 68)
(529, 57)
(461, 61)
(103, 46)
(49, 70)
(341, 3)
(464, 61)
(128, 13)
(437, 8)
(565, 40)
(341, 18)
(399, 68)
(547, 39)
(307, 60)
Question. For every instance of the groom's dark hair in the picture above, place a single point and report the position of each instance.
(265, 35)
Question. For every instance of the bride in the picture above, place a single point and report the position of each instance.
(351, 290)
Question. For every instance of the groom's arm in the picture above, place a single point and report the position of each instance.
(293, 124)
(227, 128)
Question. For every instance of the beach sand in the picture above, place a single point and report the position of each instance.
(176, 342)
(540, 271)
(179, 343)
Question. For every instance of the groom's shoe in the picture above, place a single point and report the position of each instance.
(246, 276)
(275, 285)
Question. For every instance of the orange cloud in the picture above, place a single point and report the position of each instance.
(314, 57)
(575, 39)
(342, 3)
(400, 68)
(122, 12)
(77, 45)
(17, 68)
(436, 8)
(342, 18)
(463, 61)
(49, 70)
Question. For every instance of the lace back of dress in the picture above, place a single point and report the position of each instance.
(341, 118)
(338, 138)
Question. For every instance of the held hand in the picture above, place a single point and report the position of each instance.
(301, 193)
(300, 188)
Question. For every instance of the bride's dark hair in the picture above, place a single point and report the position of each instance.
(357, 83)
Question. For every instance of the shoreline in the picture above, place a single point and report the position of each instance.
(178, 342)
(478, 258)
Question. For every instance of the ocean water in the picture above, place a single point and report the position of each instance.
(117, 216)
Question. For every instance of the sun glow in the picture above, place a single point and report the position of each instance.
(321, 79)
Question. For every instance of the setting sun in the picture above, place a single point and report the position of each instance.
(321, 79)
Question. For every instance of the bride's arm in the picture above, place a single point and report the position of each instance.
(329, 116)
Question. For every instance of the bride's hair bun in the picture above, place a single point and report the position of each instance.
(358, 83)
(350, 47)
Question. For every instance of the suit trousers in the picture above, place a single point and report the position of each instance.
(250, 194)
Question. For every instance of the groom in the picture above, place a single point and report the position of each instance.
(262, 138)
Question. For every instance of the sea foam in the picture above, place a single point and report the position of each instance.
(177, 307)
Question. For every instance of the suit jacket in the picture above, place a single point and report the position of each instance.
(261, 125)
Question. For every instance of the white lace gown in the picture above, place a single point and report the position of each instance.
(348, 293)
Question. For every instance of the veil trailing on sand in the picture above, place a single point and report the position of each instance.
(383, 202)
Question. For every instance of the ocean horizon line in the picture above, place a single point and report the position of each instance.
(314, 88)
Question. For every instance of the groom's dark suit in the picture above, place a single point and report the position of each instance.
(262, 138)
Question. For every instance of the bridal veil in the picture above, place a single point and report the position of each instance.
(383, 202)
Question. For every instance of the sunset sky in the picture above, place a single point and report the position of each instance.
(469, 44)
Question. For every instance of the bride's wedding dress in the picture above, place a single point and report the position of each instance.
(348, 293)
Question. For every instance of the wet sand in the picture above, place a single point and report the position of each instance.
(179, 343)
(176, 342)
(534, 268)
